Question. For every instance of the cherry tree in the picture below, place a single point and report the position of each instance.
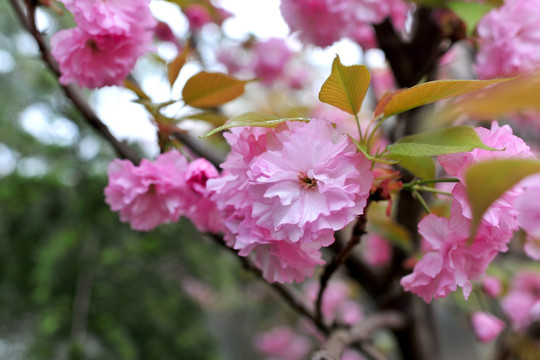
(393, 178)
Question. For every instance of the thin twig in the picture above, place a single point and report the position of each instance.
(27, 18)
(340, 339)
(288, 294)
(338, 260)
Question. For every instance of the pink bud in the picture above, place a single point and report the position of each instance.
(486, 327)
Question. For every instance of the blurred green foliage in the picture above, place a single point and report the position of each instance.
(75, 283)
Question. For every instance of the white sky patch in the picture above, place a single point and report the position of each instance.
(261, 18)
(36, 120)
(8, 160)
(7, 63)
(124, 118)
(32, 166)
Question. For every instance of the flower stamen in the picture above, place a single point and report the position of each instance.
(307, 182)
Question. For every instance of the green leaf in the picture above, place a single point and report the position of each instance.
(346, 87)
(427, 93)
(254, 119)
(422, 167)
(470, 12)
(208, 89)
(501, 176)
(174, 67)
(208, 116)
(438, 142)
(512, 96)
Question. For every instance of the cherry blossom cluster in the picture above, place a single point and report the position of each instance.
(109, 38)
(281, 196)
(323, 22)
(449, 260)
(160, 191)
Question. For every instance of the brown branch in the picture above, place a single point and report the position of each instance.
(340, 339)
(288, 294)
(27, 18)
(338, 260)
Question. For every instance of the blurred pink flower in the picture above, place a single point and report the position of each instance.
(282, 343)
(486, 327)
(323, 22)
(197, 16)
(149, 194)
(336, 305)
(271, 57)
(509, 39)
(492, 286)
(528, 217)
(377, 251)
(119, 17)
(200, 209)
(97, 60)
(350, 354)
(520, 304)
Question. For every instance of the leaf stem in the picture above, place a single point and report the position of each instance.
(421, 200)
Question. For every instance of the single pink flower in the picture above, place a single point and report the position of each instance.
(522, 299)
(271, 195)
(149, 194)
(118, 17)
(486, 327)
(509, 40)
(98, 60)
(492, 286)
(271, 57)
(377, 251)
(197, 16)
(282, 343)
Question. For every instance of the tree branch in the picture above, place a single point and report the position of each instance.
(340, 339)
(288, 294)
(27, 18)
(338, 260)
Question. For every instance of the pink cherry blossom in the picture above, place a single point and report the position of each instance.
(323, 22)
(528, 217)
(502, 213)
(120, 17)
(197, 16)
(149, 194)
(271, 194)
(509, 40)
(449, 261)
(522, 299)
(309, 197)
(271, 56)
(336, 302)
(98, 60)
(283, 343)
(486, 327)
(492, 286)
(377, 251)
(201, 210)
